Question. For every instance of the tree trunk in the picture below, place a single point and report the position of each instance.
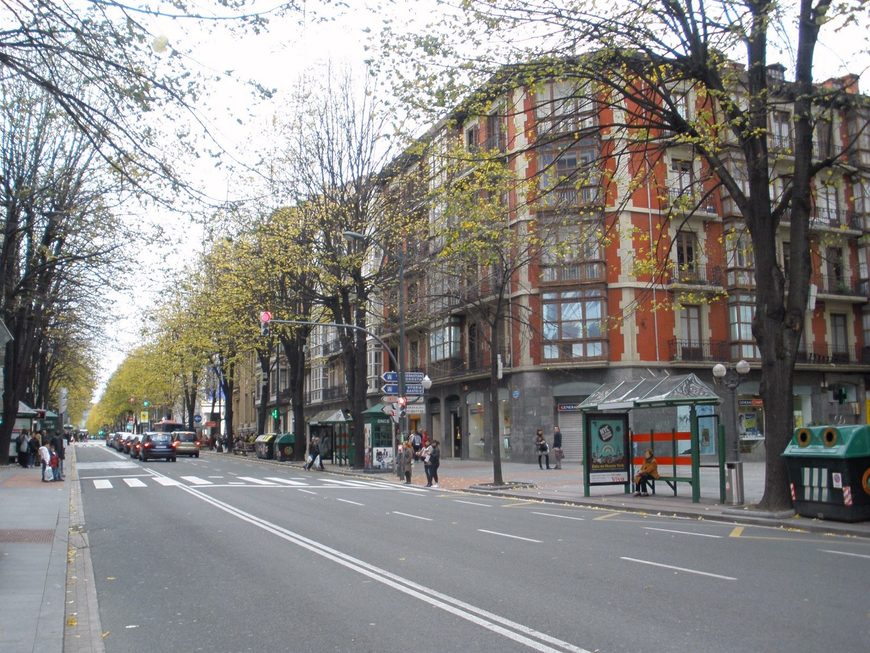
(294, 351)
(496, 327)
(263, 413)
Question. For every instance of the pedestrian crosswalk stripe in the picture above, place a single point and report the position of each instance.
(287, 481)
(134, 482)
(255, 481)
(166, 481)
(102, 484)
(348, 483)
(196, 480)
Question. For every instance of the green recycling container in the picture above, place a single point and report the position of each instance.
(829, 472)
(285, 445)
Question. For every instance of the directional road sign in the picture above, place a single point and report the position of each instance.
(410, 389)
(389, 399)
(410, 377)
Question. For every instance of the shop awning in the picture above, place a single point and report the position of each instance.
(334, 416)
(680, 390)
(377, 409)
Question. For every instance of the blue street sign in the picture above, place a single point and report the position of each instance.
(410, 389)
(197, 418)
(410, 377)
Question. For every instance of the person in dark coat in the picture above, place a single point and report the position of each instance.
(33, 451)
(542, 448)
(57, 441)
(435, 461)
(21, 449)
(407, 461)
(557, 447)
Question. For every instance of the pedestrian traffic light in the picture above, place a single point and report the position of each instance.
(146, 403)
(265, 317)
(274, 413)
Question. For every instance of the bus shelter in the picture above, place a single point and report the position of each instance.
(608, 451)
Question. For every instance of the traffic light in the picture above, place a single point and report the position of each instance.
(275, 413)
(265, 317)
(402, 404)
(146, 403)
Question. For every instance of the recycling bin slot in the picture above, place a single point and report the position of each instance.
(734, 483)
(829, 472)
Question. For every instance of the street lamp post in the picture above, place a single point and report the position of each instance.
(403, 414)
(732, 379)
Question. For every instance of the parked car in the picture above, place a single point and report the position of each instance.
(186, 443)
(118, 440)
(157, 445)
(133, 444)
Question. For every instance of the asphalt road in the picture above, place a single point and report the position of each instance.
(224, 554)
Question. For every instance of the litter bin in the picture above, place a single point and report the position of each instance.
(285, 444)
(264, 446)
(829, 472)
(734, 483)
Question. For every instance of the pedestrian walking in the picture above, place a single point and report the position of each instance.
(417, 443)
(407, 461)
(45, 459)
(435, 461)
(314, 455)
(542, 448)
(648, 471)
(558, 454)
(426, 455)
(398, 461)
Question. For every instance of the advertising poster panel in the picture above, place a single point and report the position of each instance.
(608, 460)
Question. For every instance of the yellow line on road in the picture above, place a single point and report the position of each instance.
(737, 532)
(516, 503)
(607, 516)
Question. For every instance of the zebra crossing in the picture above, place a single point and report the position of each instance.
(199, 482)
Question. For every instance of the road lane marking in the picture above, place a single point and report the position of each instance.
(688, 571)
(196, 480)
(550, 514)
(84, 478)
(356, 503)
(473, 503)
(845, 553)
(407, 514)
(737, 531)
(255, 481)
(517, 632)
(102, 484)
(668, 530)
(347, 483)
(308, 491)
(287, 481)
(166, 481)
(515, 503)
(513, 537)
(607, 516)
(134, 482)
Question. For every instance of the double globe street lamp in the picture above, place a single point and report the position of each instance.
(732, 379)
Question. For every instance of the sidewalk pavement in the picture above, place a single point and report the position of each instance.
(47, 590)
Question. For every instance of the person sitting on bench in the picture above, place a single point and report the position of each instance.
(649, 471)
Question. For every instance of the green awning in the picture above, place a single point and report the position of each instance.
(334, 416)
(377, 409)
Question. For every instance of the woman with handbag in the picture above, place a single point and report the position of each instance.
(543, 449)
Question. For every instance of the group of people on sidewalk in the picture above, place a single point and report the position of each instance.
(39, 449)
(543, 449)
(418, 447)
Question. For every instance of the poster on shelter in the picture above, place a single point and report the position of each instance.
(607, 444)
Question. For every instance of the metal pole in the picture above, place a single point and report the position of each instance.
(735, 438)
(403, 416)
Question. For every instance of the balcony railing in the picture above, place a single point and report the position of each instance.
(335, 393)
(453, 367)
(695, 274)
(570, 197)
(826, 354)
(844, 287)
(591, 271)
(685, 200)
(698, 350)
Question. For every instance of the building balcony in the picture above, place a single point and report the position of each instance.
(568, 197)
(684, 200)
(698, 350)
(841, 288)
(440, 370)
(335, 393)
(695, 274)
(835, 218)
(826, 355)
(579, 272)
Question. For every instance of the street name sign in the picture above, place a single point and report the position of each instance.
(410, 377)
